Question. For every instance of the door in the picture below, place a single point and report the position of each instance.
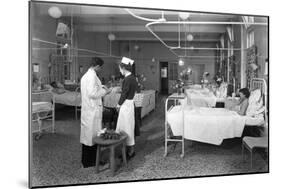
(164, 82)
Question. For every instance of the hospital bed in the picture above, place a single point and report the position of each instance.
(70, 98)
(145, 100)
(204, 97)
(209, 125)
(43, 107)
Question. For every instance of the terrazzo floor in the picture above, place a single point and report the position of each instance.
(56, 157)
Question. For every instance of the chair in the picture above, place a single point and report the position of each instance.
(255, 142)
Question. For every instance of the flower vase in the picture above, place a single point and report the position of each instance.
(179, 91)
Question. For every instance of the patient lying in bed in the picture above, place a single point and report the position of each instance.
(56, 89)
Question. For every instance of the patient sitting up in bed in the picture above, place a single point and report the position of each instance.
(241, 106)
(56, 89)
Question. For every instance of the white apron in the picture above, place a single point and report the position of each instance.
(126, 121)
(91, 107)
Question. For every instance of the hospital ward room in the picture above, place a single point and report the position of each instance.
(126, 94)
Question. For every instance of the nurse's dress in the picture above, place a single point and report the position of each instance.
(126, 117)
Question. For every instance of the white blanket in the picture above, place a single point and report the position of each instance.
(209, 125)
(201, 97)
(68, 98)
(41, 106)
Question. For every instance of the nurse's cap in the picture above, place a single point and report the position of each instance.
(127, 61)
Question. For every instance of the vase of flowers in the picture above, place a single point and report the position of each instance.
(140, 78)
(178, 85)
(185, 74)
(218, 79)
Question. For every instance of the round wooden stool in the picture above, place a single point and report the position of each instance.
(111, 144)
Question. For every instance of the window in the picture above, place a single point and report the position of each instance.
(250, 39)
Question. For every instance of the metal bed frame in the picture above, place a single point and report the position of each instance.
(77, 108)
(175, 98)
(256, 83)
(39, 118)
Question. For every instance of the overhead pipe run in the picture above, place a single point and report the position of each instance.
(171, 48)
(78, 49)
(162, 19)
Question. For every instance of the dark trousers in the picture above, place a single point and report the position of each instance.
(137, 120)
(89, 155)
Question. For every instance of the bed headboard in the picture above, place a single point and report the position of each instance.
(260, 83)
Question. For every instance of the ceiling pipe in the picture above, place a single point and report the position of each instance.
(172, 48)
(207, 23)
(162, 19)
(78, 49)
(205, 48)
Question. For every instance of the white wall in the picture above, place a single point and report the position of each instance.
(100, 43)
(42, 27)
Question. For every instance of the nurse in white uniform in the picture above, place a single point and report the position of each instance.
(92, 92)
(125, 106)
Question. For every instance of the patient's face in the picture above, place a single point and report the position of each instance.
(242, 96)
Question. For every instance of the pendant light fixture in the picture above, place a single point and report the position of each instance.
(55, 12)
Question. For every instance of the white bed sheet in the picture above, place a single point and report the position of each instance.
(41, 106)
(69, 98)
(209, 125)
(201, 97)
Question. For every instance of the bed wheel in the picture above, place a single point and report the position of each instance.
(182, 155)
(165, 155)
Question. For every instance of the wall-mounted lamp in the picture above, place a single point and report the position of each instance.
(189, 37)
(111, 37)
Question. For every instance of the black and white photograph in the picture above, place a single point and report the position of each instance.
(125, 94)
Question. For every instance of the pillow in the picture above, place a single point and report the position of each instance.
(47, 86)
(255, 96)
(255, 103)
(260, 112)
(60, 85)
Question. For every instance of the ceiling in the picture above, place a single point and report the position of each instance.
(127, 27)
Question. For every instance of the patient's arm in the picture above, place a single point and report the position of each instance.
(243, 107)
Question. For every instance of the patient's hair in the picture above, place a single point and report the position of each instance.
(54, 84)
(245, 91)
(127, 67)
(96, 61)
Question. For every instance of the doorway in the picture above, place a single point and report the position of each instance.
(164, 81)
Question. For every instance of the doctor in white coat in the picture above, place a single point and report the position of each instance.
(92, 92)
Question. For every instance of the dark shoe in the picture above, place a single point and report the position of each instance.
(130, 156)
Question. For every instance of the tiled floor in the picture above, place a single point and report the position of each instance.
(56, 157)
